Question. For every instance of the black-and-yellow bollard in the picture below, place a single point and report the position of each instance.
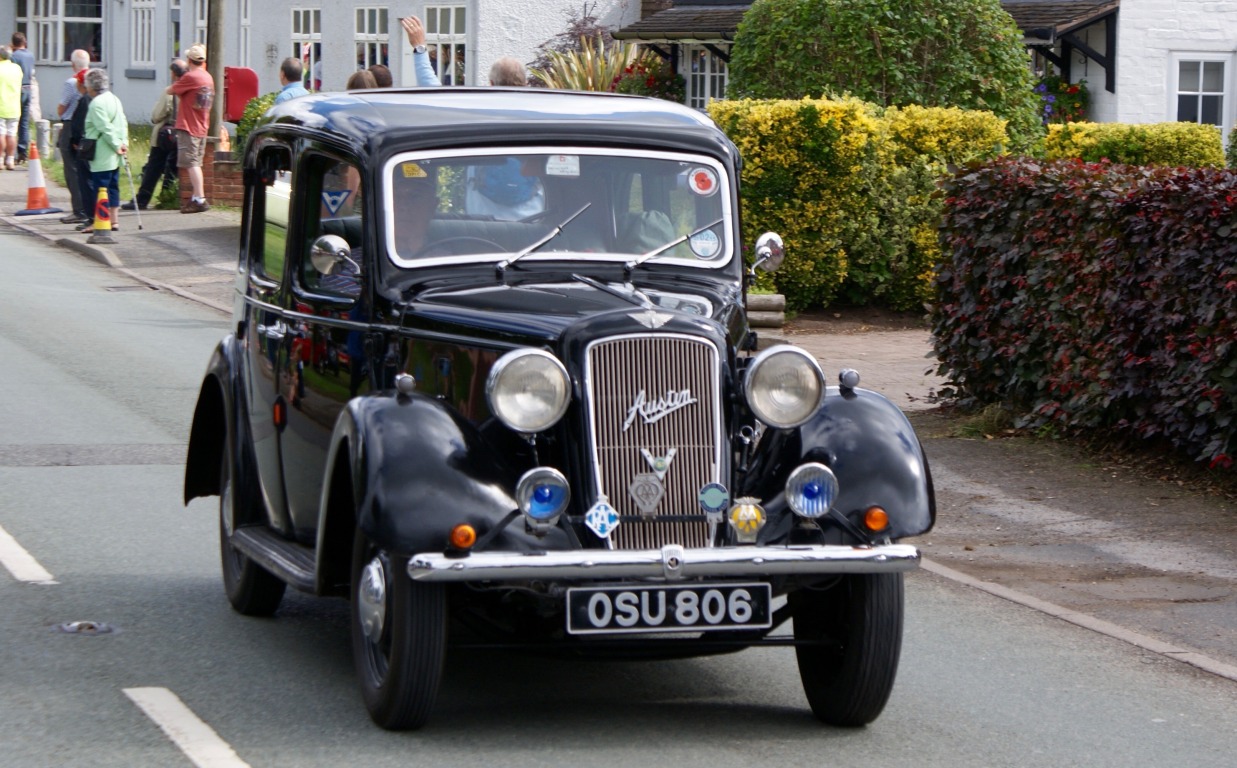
(102, 231)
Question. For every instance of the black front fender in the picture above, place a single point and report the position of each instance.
(418, 469)
(871, 447)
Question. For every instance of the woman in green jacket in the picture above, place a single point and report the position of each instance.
(107, 125)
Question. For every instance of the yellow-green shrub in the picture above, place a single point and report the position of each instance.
(945, 134)
(851, 188)
(1175, 144)
(803, 177)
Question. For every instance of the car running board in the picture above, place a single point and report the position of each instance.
(286, 560)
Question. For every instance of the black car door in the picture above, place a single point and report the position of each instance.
(265, 328)
(327, 320)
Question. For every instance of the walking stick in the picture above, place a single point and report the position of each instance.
(136, 208)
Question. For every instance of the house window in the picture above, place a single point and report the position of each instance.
(244, 53)
(307, 44)
(1200, 91)
(372, 37)
(706, 76)
(142, 33)
(446, 33)
(201, 15)
(55, 28)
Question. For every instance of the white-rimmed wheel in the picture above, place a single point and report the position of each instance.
(855, 628)
(399, 637)
(251, 589)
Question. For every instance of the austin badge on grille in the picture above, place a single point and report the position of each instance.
(646, 490)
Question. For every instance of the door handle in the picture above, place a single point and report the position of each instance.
(274, 332)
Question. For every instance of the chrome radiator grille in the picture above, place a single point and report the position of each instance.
(640, 388)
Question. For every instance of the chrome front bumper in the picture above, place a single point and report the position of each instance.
(671, 563)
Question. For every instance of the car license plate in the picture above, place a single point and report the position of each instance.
(686, 608)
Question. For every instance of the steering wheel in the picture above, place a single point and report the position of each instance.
(452, 246)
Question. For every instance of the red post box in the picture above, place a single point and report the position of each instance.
(240, 84)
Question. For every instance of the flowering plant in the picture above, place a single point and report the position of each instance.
(1062, 101)
(651, 75)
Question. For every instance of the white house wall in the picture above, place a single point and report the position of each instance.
(1151, 33)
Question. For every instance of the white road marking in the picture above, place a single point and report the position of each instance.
(20, 563)
(195, 738)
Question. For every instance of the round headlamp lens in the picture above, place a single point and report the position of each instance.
(542, 495)
(528, 390)
(811, 490)
(784, 386)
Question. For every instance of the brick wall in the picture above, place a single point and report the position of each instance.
(221, 177)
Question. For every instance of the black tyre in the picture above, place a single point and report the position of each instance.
(251, 589)
(856, 630)
(399, 637)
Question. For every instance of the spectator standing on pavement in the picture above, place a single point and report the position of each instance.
(161, 163)
(421, 65)
(24, 59)
(382, 75)
(508, 71)
(196, 91)
(10, 104)
(77, 132)
(80, 208)
(361, 80)
(107, 125)
(290, 74)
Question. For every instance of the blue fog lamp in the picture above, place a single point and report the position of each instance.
(811, 490)
(542, 495)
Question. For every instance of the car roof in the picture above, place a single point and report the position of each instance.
(375, 121)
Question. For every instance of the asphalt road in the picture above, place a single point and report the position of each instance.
(100, 376)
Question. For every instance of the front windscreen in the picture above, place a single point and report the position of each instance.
(557, 203)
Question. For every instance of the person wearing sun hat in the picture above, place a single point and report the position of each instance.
(196, 91)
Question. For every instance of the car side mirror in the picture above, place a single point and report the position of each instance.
(769, 252)
(330, 253)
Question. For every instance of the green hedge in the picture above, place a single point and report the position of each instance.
(851, 187)
(1188, 144)
(1095, 297)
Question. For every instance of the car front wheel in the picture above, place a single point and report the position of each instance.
(855, 633)
(399, 637)
(251, 589)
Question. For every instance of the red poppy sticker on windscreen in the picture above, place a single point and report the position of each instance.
(702, 181)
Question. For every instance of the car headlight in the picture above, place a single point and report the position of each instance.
(528, 390)
(542, 495)
(811, 489)
(784, 386)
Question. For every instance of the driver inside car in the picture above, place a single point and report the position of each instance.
(413, 202)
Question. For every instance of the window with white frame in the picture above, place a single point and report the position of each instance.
(373, 37)
(244, 43)
(446, 39)
(142, 33)
(201, 17)
(307, 44)
(55, 28)
(706, 76)
(1202, 83)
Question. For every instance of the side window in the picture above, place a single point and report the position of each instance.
(333, 206)
(269, 222)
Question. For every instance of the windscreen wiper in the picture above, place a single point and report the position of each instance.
(629, 266)
(553, 233)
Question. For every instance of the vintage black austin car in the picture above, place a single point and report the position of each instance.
(491, 380)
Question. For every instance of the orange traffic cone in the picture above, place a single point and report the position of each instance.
(102, 220)
(36, 187)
